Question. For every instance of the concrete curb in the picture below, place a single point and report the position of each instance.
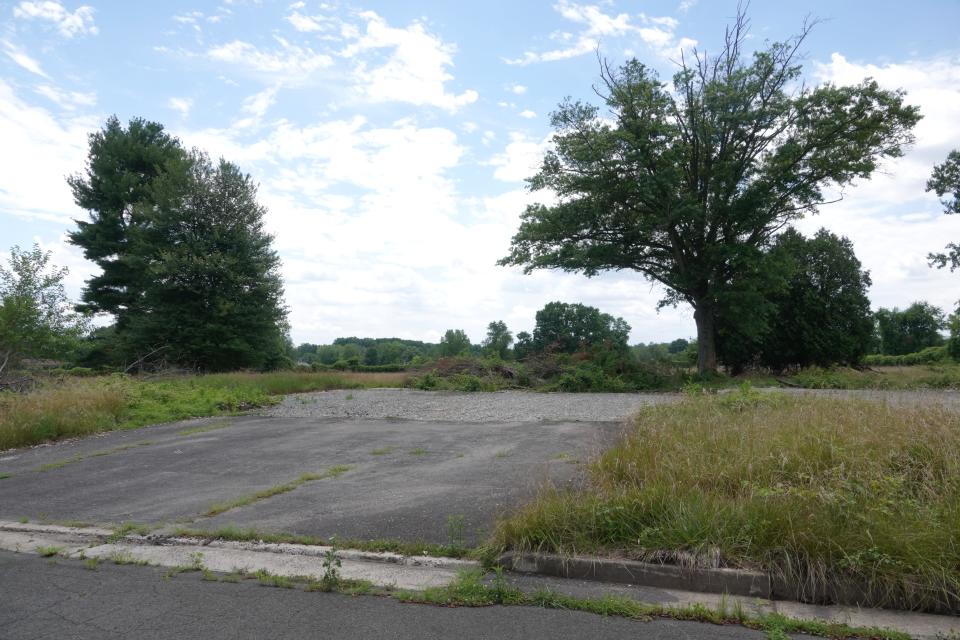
(101, 534)
(664, 576)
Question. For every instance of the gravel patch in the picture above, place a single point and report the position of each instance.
(501, 406)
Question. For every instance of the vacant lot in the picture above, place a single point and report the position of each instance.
(317, 465)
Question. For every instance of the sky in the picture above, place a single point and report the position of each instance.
(391, 140)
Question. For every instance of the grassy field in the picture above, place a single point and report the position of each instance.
(84, 406)
(826, 494)
(930, 376)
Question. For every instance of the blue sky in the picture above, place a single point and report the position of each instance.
(391, 139)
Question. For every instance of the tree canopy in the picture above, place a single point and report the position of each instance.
(568, 328)
(36, 319)
(498, 339)
(188, 271)
(823, 313)
(945, 181)
(688, 186)
(910, 330)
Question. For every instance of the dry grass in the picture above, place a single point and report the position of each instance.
(78, 407)
(828, 495)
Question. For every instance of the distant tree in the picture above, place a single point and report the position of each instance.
(953, 344)
(945, 181)
(498, 340)
(678, 345)
(36, 319)
(689, 185)
(823, 313)
(454, 343)
(117, 189)
(567, 328)
(916, 327)
(523, 346)
(327, 354)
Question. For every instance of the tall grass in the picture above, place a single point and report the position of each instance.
(79, 407)
(838, 499)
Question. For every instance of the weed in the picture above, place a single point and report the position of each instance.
(4, 476)
(196, 564)
(91, 564)
(24, 520)
(46, 552)
(419, 451)
(382, 451)
(124, 529)
(268, 579)
(269, 492)
(331, 569)
(502, 454)
(455, 525)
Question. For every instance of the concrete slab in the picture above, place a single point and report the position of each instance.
(406, 478)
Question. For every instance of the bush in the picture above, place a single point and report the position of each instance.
(588, 377)
(930, 355)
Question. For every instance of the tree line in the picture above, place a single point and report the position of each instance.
(694, 185)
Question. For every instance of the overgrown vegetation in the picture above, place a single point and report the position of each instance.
(78, 407)
(827, 495)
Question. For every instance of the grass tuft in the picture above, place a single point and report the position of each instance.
(831, 497)
(269, 492)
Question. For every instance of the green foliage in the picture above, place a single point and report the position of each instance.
(945, 181)
(813, 307)
(930, 355)
(454, 343)
(116, 189)
(35, 317)
(188, 271)
(568, 328)
(687, 185)
(83, 406)
(911, 330)
(817, 492)
(498, 340)
(953, 344)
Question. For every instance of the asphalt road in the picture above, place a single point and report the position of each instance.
(62, 599)
(406, 478)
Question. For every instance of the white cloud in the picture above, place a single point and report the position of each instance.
(656, 31)
(22, 58)
(68, 100)
(181, 105)
(68, 24)
(527, 113)
(891, 220)
(518, 89)
(289, 60)
(520, 159)
(32, 181)
(415, 71)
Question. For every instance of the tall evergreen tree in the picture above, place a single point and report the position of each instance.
(187, 269)
(213, 295)
(122, 165)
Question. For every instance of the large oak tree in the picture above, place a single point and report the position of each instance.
(688, 185)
